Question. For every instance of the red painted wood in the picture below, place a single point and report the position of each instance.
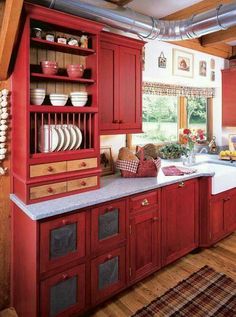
(24, 274)
(105, 244)
(143, 201)
(48, 263)
(180, 220)
(144, 247)
(230, 212)
(79, 272)
(216, 229)
(120, 99)
(20, 97)
(228, 97)
(101, 294)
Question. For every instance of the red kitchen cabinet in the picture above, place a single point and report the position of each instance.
(63, 294)
(62, 240)
(108, 274)
(179, 220)
(144, 243)
(120, 84)
(217, 213)
(108, 225)
(228, 97)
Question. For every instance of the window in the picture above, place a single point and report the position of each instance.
(163, 116)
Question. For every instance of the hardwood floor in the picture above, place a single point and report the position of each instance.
(221, 257)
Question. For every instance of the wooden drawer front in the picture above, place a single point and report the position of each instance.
(82, 183)
(63, 294)
(77, 165)
(107, 274)
(108, 225)
(143, 201)
(47, 169)
(62, 240)
(47, 190)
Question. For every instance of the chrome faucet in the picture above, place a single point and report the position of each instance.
(203, 150)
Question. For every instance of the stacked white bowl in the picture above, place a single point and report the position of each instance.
(79, 98)
(58, 99)
(37, 96)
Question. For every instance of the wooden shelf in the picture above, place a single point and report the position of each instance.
(65, 48)
(40, 76)
(58, 154)
(62, 109)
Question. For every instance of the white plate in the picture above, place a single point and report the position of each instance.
(73, 135)
(61, 137)
(49, 139)
(78, 138)
(67, 137)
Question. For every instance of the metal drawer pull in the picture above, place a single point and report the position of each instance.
(83, 183)
(50, 169)
(83, 164)
(181, 184)
(145, 202)
(50, 190)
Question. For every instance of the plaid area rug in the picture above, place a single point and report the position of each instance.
(205, 293)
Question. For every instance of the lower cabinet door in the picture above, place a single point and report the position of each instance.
(62, 240)
(107, 274)
(217, 219)
(230, 212)
(144, 243)
(64, 293)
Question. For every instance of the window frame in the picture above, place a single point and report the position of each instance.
(182, 120)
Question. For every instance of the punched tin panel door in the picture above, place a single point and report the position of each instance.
(62, 240)
(108, 225)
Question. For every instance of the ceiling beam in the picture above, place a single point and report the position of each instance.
(218, 49)
(218, 37)
(120, 2)
(10, 22)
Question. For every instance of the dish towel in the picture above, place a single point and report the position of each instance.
(177, 171)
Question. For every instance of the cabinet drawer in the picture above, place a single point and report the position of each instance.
(77, 165)
(143, 201)
(47, 169)
(82, 183)
(48, 190)
(62, 240)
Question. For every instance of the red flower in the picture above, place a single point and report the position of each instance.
(187, 131)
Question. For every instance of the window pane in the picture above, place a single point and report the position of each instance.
(159, 120)
(197, 113)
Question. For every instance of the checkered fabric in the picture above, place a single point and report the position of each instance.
(130, 166)
(175, 171)
(205, 293)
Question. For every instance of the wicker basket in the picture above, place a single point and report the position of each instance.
(146, 168)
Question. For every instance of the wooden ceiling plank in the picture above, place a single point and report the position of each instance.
(10, 22)
(218, 37)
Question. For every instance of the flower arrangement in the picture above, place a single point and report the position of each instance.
(190, 137)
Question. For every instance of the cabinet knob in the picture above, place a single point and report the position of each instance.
(65, 222)
(155, 218)
(64, 277)
(226, 199)
(109, 208)
(109, 256)
(50, 190)
(83, 183)
(120, 121)
(50, 169)
(115, 121)
(83, 164)
(145, 202)
(181, 184)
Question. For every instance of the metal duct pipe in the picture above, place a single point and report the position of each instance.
(125, 19)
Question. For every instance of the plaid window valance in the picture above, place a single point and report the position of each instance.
(151, 88)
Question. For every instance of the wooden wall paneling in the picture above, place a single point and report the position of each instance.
(51, 86)
(5, 227)
(2, 8)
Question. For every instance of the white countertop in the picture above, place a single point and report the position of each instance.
(113, 187)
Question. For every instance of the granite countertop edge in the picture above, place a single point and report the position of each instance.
(126, 186)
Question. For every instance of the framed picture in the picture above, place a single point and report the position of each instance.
(182, 63)
(213, 75)
(232, 142)
(212, 62)
(106, 161)
(203, 68)
(162, 61)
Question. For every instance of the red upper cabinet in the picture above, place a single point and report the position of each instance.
(120, 84)
(228, 97)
